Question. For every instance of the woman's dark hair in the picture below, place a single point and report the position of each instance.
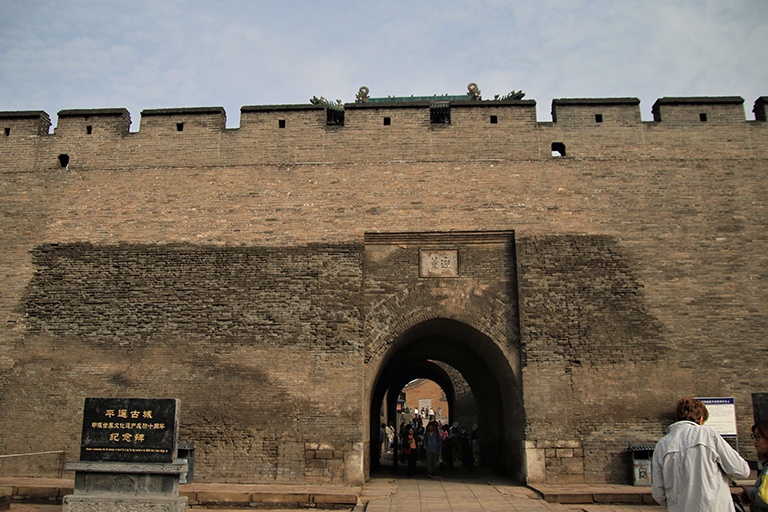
(761, 427)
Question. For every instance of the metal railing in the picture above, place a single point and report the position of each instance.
(62, 458)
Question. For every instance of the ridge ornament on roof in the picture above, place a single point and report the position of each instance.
(473, 93)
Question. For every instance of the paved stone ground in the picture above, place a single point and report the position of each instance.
(462, 491)
(459, 491)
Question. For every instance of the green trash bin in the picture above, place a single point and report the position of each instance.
(186, 454)
(642, 455)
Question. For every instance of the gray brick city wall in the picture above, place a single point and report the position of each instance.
(236, 269)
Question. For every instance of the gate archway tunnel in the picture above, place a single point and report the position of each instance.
(431, 350)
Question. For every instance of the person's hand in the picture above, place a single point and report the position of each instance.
(744, 496)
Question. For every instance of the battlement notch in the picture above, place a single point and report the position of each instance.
(759, 108)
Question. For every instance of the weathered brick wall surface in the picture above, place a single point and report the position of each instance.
(226, 267)
(591, 341)
(260, 345)
(465, 412)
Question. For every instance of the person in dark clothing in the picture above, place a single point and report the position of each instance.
(432, 446)
(411, 450)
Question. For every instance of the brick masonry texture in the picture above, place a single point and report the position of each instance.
(238, 332)
(252, 273)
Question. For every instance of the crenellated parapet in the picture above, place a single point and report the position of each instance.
(564, 111)
(397, 130)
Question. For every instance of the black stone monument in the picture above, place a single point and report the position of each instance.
(128, 457)
(129, 430)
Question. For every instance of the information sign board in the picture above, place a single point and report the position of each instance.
(722, 415)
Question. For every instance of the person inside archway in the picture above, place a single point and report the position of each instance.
(411, 449)
(432, 446)
(456, 434)
(475, 436)
(403, 437)
(382, 439)
(445, 437)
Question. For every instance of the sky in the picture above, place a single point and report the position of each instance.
(145, 54)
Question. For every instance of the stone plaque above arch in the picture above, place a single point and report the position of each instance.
(434, 263)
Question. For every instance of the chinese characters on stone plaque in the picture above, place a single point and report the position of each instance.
(129, 430)
(439, 263)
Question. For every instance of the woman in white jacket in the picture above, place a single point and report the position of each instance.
(692, 463)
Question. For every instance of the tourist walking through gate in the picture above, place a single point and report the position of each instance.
(432, 446)
(403, 438)
(411, 449)
(390, 430)
(383, 439)
(445, 437)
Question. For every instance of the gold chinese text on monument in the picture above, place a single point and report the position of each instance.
(439, 263)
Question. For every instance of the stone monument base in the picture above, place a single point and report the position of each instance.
(73, 503)
(125, 487)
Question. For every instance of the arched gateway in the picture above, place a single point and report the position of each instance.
(445, 304)
(483, 365)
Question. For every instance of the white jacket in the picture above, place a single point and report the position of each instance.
(690, 469)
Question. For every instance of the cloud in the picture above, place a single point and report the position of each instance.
(162, 53)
